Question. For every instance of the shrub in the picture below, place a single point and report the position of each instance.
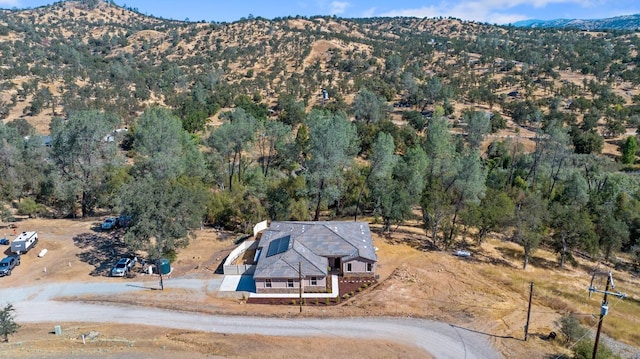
(571, 329)
(171, 255)
(584, 350)
(28, 206)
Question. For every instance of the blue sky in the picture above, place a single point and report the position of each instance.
(491, 11)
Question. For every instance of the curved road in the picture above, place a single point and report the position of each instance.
(36, 304)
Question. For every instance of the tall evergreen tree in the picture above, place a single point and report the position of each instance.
(8, 325)
(332, 145)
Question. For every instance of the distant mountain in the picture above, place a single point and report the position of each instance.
(627, 22)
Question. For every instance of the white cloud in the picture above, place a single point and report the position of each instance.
(338, 7)
(491, 11)
(369, 12)
(9, 3)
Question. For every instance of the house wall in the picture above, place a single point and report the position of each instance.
(230, 269)
(279, 285)
(358, 268)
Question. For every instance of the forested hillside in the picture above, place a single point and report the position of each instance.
(464, 128)
(626, 22)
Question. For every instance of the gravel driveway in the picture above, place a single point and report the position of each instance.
(35, 304)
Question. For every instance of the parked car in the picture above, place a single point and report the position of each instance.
(109, 223)
(124, 221)
(7, 264)
(4, 241)
(122, 267)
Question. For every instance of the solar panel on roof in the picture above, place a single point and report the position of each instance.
(278, 246)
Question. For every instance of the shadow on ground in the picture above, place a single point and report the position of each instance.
(487, 334)
(517, 255)
(99, 250)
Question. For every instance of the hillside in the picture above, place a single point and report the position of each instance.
(628, 22)
(70, 56)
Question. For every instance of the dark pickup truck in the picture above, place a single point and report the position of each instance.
(7, 264)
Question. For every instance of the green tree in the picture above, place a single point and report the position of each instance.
(232, 138)
(407, 181)
(529, 217)
(478, 125)
(256, 110)
(367, 107)
(585, 142)
(629, 150)
(613, 232)
(273, 137)
(29, 207)
(164, 213)
(82, 155)
(380, 165)
(291, 112)
(163, 149)
(332, 145)
(467, 187)
(494, 212)
(8, 325)
(440, 174)
(572, 229)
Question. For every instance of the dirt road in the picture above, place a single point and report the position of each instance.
(440, 340)
(35, 304)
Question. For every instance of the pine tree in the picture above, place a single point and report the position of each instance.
(7, 323)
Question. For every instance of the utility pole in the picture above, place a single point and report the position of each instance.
(604, 308)
(526, 326)
(159, 272)
(300, 283)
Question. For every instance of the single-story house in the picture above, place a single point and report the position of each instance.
(319, 249)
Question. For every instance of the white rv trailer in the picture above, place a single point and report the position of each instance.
(24, 242)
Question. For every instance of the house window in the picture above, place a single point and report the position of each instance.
(369, 267)
(289, 283)
(314, 281)
(267, 283)
(348, 267)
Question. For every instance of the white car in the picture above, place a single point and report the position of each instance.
(122, 267)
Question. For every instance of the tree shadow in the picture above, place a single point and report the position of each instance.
(535, 261)
(482, 258)
(99, 250)
(543, 263)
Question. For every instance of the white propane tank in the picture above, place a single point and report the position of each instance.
(42, 253)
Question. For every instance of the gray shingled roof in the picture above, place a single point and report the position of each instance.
(311, 244)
